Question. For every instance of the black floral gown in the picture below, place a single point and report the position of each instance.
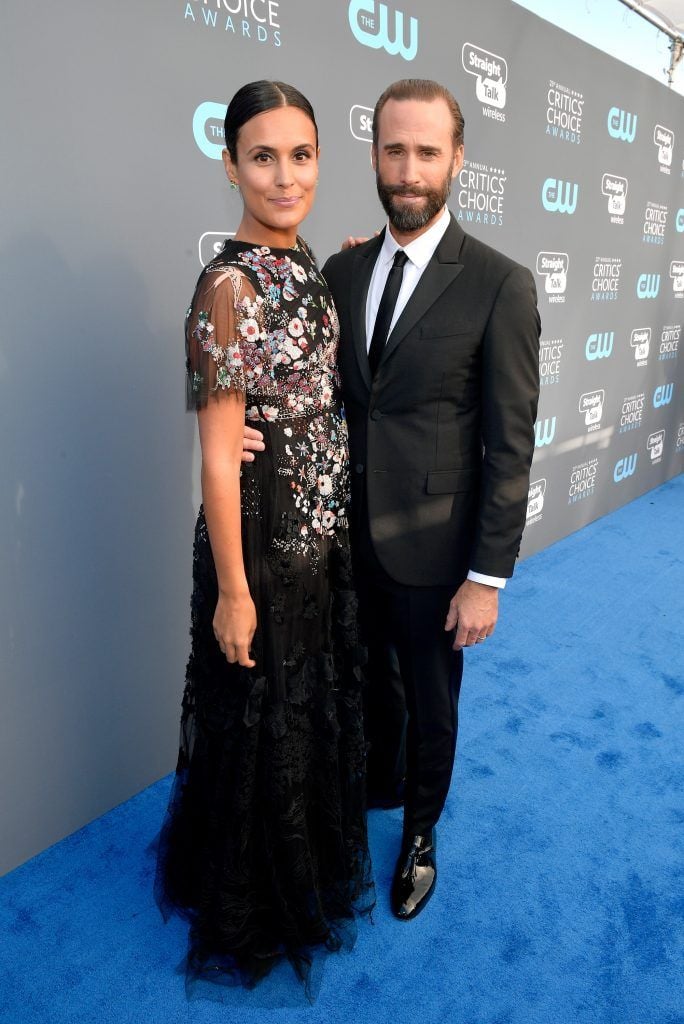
(264, 846)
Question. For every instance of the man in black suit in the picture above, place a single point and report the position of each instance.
(439, 342)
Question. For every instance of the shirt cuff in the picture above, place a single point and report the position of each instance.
(490, 581)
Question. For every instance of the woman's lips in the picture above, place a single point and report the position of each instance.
(286, 202)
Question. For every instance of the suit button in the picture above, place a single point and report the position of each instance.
(359, 467)
(376, 414)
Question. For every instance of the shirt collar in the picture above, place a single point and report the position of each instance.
(421, 249)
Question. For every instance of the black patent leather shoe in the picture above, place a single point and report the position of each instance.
(386, 799)
(415, 876)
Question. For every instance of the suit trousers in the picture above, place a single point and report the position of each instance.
(411, 706)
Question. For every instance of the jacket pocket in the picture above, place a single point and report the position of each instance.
(451, 481)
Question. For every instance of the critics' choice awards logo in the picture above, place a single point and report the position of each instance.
(207, 127)
(211, 244)
(379, 27)
(655, 220)
(550, 354)
(621, 124)
(663, 395)
(553, 267)
(640, 341)
(615, 189)
(632, 412)
(679, 220)
(664, 139)
(648, 286)
(582, 481)
(677, 275)
(669, 342)
(559, 196)
(655, 446)
(679, 443)
(361, 123)
(599, 346)
(491, 74)
(535, 501)
(564, 108)
(257, 20)
(591, 407)
(605, 282)
(625, 467)
(481, 194)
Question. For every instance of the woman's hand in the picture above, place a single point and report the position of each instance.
(234, 626)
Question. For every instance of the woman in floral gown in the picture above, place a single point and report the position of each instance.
(264, 847)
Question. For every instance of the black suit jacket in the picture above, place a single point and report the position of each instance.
(442, 440)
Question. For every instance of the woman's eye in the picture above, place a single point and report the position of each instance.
(302, 154)
(262, 158)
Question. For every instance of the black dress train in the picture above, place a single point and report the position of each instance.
(264, 846)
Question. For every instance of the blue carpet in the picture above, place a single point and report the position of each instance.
(561, 895)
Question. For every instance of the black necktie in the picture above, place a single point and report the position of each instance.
(386, 310)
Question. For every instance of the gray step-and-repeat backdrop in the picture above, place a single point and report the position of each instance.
(113, 197)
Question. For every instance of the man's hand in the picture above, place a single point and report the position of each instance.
(473, 611)
(252, 441)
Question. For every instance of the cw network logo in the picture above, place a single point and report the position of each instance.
(491, 75)
(207, 127)
(559, 196)
(663, 395)
(648, 286)
(677, 275)
(622, 125)
(625, 467)
(544, 431)
(679, 220)
(599, 346)
(371, 28)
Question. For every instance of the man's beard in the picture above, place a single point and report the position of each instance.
(408, 218)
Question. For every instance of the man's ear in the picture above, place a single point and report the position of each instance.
(374, 157)
(458, 160)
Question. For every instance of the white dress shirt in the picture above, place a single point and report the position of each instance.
(420, 251)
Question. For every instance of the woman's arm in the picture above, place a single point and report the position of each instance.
(221, 425)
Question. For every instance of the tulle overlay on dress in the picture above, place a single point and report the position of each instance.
(264, 847)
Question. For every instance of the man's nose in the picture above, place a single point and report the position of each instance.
(409, 170)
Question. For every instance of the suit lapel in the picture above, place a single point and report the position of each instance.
(443, 268)
(362, 271)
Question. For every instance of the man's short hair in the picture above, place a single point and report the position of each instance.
(420, 89)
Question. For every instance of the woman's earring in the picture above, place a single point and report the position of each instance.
(233, 185)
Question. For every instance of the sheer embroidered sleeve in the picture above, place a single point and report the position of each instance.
(223, 316)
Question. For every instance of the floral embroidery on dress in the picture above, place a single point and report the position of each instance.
(282, 354)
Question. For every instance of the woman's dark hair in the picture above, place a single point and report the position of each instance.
(255, 98)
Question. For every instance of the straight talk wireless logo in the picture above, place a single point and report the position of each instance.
(255, 20)
(491, 75)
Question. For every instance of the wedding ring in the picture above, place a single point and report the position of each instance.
(481, 638)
